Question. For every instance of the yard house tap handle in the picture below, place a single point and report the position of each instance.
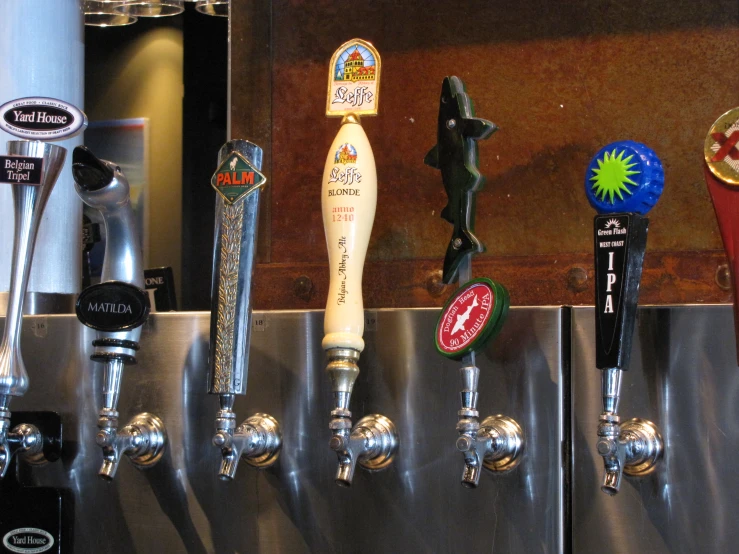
(623, 182)
(348, 201)
(721, 170)
(32, 168)
(239, 183)
(116, 308)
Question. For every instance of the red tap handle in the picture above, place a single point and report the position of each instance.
(726, 205)
(721, 155)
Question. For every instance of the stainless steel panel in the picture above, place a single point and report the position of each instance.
(415, 506)
(684, 378)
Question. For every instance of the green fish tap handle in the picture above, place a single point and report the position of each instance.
(623, 182)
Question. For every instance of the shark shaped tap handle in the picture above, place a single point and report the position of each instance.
(623, 182)
(476, 311)
(455, 154)
(722, 179)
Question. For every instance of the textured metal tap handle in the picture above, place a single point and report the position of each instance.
(233, 265)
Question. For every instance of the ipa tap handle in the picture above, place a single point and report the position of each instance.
(623, 182)
(721, 171)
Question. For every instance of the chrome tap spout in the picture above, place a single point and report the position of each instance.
(633, 447)
(496, 444)
(372, 444)
(143, 440)
(22, 439)
(257, 440)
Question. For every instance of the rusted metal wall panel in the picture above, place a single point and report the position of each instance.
(561, 79)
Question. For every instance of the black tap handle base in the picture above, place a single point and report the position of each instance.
(620, 242)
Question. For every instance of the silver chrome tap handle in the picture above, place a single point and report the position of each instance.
(29, 202)
(238, 183)
(233, 265)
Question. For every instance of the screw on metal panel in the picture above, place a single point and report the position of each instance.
(577, 279)
(451, 124)
(723, 277)
(457, 243)
(434, 284)
(303, 288)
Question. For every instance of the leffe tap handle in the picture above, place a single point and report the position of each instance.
(721, 171)
(455, 154)
(623, 182)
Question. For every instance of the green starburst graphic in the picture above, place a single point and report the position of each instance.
(612, 176)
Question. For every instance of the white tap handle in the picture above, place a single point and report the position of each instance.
(348, 199)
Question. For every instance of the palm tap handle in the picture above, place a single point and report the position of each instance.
(722, 178)
(623, 182)
(239, 183)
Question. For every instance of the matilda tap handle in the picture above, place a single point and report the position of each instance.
(32, 168)
(475, 313)
(116, 308)
(348, 200)
(623, 182)
(239, 183)
(721, 171)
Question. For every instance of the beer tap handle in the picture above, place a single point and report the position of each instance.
(623, 182)
(721, 172)
(238, 182)
(455, 155)
(348, 202)
(475, 313)
(32, 167)
(116, 308)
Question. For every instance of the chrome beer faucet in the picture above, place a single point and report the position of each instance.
(117, 307)
(623, 182)
(33, 168)
(239, 183)
(476, 311)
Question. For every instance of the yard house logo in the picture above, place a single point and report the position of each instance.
(236, 177)
(28, 540)
(39, 118)
(354, 79)
(346, 154)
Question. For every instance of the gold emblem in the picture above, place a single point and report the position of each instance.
(721, 149)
